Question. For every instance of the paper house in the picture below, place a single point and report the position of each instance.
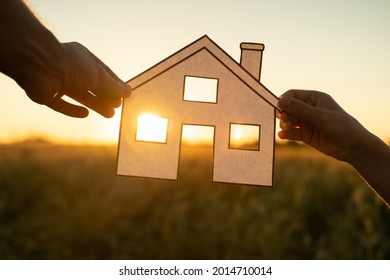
(201, 85)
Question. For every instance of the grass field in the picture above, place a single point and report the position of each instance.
(64, 202)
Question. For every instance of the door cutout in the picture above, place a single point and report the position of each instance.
(196, 154)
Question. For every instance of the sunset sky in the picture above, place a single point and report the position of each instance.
(339, 47)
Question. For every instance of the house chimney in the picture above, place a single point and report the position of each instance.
(251, 54)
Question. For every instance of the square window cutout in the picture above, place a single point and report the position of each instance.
(244, 137)
(151, 128)
(200, 89)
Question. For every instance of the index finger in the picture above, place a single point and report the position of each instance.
(105, 67)
(298, 94)
(307, 96)
(108, 86)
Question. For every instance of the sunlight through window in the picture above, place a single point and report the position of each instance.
(244, 137)
(200, 89)
(151, 128)
(198, 134)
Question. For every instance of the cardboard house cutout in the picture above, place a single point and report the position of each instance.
(201, 85)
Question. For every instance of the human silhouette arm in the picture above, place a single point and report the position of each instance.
(47, 69)
(316, 119)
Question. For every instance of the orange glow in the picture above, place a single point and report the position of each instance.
(245, 137)
(152, 128)
(198, 134)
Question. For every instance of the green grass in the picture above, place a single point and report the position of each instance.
(64, 202)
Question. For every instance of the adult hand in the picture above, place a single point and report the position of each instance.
(47, 69)
(316, 119)
(83, 77)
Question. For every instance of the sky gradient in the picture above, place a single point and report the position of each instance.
(339, 47)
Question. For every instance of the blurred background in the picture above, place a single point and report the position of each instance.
(60, 198)
(64, 202)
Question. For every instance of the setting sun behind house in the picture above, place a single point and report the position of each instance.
(152, 128)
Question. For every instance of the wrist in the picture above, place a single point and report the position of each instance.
(41, 55)
(366, 147)
(371, 159)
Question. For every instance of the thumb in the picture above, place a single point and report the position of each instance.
(300, 109)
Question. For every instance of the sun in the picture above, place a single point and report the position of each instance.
(152, 128)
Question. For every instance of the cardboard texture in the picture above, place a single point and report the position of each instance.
(231, 98)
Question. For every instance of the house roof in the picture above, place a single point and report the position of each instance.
(206, 43)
